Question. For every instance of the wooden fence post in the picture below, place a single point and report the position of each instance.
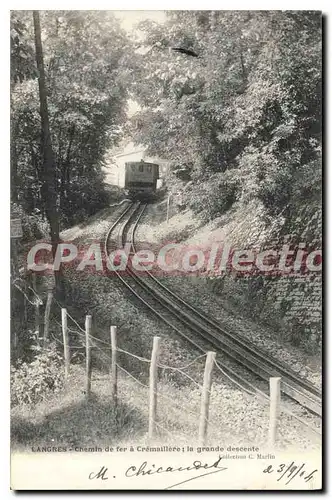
(37, 321)
(274, 408)
(205, 398)
(47, 315)
(65, 342)
(25, 310)
(37, 310)
(88, 327)
(114, 367)
(153, 386)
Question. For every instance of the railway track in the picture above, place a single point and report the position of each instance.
(196, 326)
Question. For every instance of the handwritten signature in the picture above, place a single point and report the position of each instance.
(149, 470)
(290, 471)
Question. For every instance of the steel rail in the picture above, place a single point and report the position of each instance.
(246, 352)
(231, 373)
(240, 351)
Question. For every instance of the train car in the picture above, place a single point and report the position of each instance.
(141, 178)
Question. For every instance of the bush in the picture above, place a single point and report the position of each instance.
(275, 191)
(32, 382)
(213, 197)
(34, 226)
(88, 196)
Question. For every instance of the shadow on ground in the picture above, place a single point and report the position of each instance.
(86, 423)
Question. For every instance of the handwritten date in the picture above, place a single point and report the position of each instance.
(288, 472)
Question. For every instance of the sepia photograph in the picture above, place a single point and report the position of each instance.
(166, 249)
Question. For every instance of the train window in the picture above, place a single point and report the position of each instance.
(149, 169)
(133, 168)
(141, 168)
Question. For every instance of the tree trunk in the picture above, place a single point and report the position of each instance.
(65, 170)
(48, 190)
(47, 318)
(14, 161)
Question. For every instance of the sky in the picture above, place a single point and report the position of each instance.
(129, 18)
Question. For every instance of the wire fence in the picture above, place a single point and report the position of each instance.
(85, 340)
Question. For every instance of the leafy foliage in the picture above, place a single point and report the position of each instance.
(34, 226)
(21, 51)
(248, 108)
(84, 55)
(32, 382)
(214, 196)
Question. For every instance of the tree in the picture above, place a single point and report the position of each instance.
(87, 60)
(21, 68)
(243, 119)
(48, 171)
(48, 191)
(70, 74)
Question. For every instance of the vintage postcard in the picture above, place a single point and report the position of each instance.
(166, 250)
